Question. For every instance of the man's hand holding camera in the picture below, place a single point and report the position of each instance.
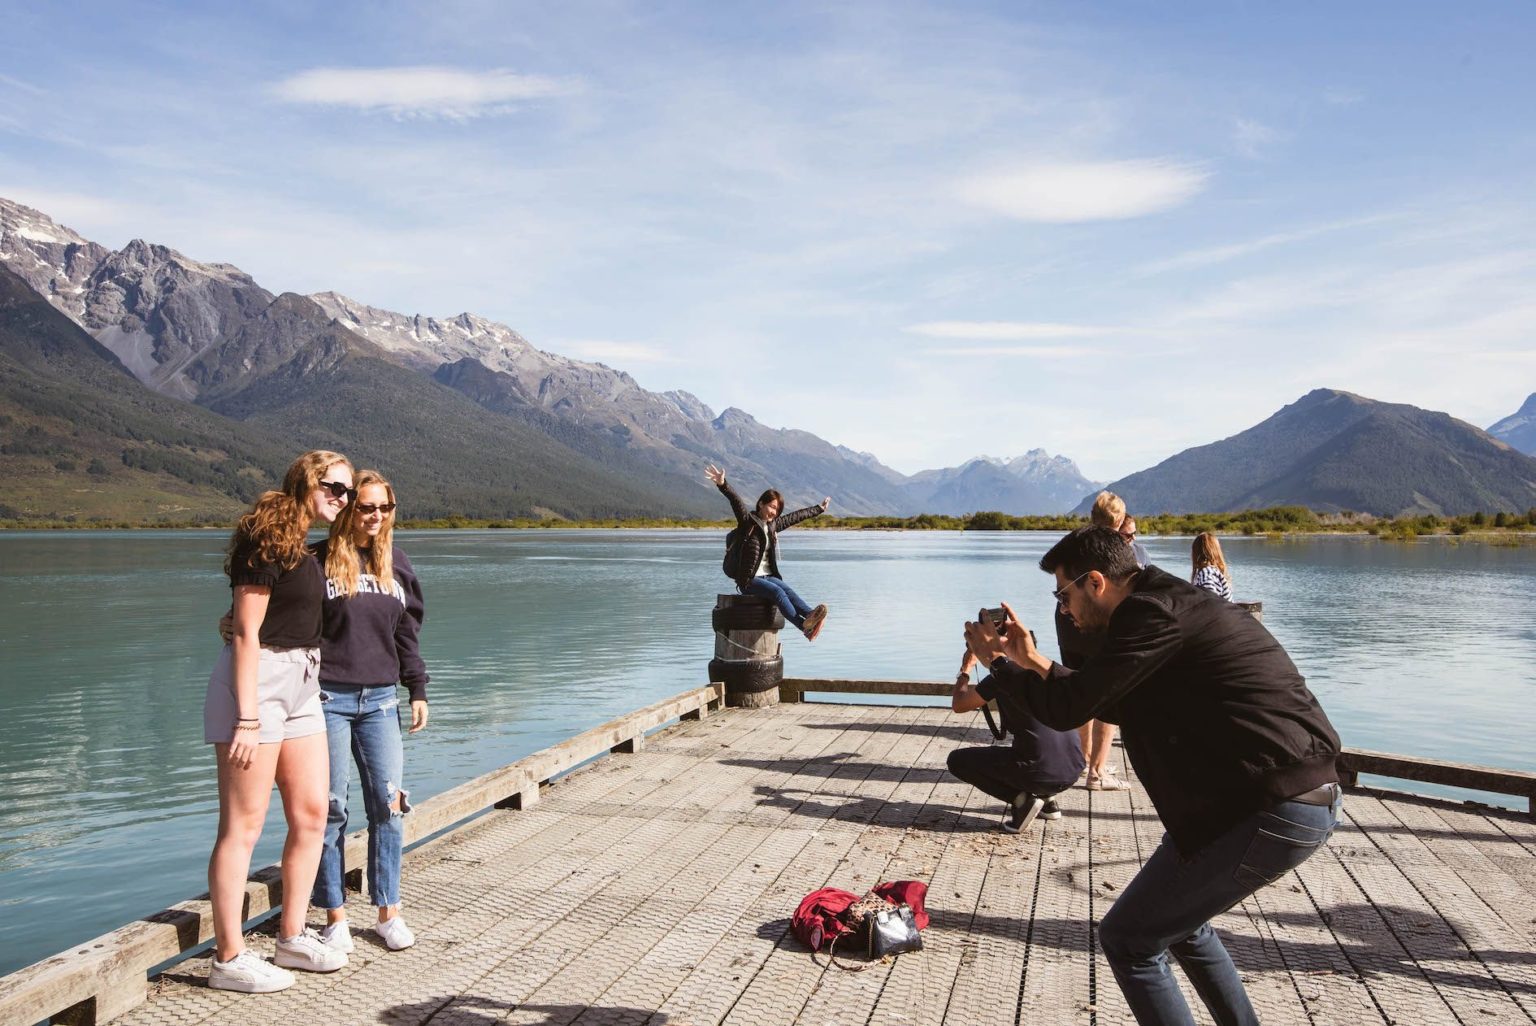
(987, 638)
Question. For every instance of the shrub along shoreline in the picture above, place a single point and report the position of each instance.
(1276, 522)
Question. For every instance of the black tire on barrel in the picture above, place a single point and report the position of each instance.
(747, 678)
(763, 617)
(747, 655)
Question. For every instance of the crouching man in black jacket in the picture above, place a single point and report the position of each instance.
(1232, 748)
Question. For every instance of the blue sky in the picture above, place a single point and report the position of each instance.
(928, 231)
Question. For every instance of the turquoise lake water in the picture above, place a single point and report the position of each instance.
(1423, 648)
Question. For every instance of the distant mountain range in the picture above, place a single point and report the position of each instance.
(141, 383)
(1519, 428)
(464, 413)
(1334, 451)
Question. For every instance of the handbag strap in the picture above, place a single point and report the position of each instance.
(832, 957)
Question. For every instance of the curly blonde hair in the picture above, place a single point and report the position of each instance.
(277, 527)
(343, 561)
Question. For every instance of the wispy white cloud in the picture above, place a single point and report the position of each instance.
(26, 87)
(422, 91)
(1084, 191)
(1220, 254)
(1006, 331)
(1039, 352)
(1252, 138)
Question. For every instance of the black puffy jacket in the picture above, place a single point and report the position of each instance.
(744, 549)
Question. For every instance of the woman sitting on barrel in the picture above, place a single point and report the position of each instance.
(752, 552)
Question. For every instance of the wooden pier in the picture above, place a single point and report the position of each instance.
(654, 886)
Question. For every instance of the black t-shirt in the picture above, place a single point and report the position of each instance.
(1052, 755)
(293, 611)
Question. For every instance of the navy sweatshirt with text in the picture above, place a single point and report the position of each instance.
(372, 637)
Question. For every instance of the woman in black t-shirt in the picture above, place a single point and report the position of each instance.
(264, 719)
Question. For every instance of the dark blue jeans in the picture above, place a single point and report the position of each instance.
(363, 724)
(1167, 907)
(996, 771)
(791, 605)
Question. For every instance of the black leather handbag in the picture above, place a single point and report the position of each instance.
(892, 931)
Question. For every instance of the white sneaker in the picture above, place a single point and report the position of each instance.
(248, 974)
(309, 953)
(395, 934)
(337, 936)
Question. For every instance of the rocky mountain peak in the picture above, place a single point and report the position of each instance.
(689, 405)
(35, 226)
(1519, 428)
(734, 417)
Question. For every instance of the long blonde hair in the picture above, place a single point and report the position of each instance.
(277, 526)
(1206, 551)
(344, 561)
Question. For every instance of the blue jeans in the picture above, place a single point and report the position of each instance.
(363, 723)
(782, 595)
(1169, 904)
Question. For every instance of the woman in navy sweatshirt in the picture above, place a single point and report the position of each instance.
(372, 617)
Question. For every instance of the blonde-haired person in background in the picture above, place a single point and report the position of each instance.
(1097, 737)
(373, 616)
(1209, 566)
(262, 715)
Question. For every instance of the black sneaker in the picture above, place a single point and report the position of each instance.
(1051, 810)
(1022, 813)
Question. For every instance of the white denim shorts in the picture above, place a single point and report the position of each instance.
(287, 696)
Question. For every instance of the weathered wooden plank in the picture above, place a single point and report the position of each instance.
(769, 844)
(877, 857)
(1396, 983)
(801, 685)
(753, 956)
(1466, 948)
(1354, 761)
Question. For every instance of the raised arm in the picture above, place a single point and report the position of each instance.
(788, 520)
(717, 475)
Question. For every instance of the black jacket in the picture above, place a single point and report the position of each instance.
(749, 540)
(1216, 719)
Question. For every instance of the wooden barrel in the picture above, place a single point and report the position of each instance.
(747, 656)
(1255, 609)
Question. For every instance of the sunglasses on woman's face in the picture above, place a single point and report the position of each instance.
(369, 508)
(337, 490)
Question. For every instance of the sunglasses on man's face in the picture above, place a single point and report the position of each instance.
(1060, 594)
(337, 490)
(370, 508)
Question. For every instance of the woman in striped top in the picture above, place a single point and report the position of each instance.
(1210, 568)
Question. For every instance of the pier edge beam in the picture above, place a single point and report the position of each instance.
(629, 746)
(118, 994)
